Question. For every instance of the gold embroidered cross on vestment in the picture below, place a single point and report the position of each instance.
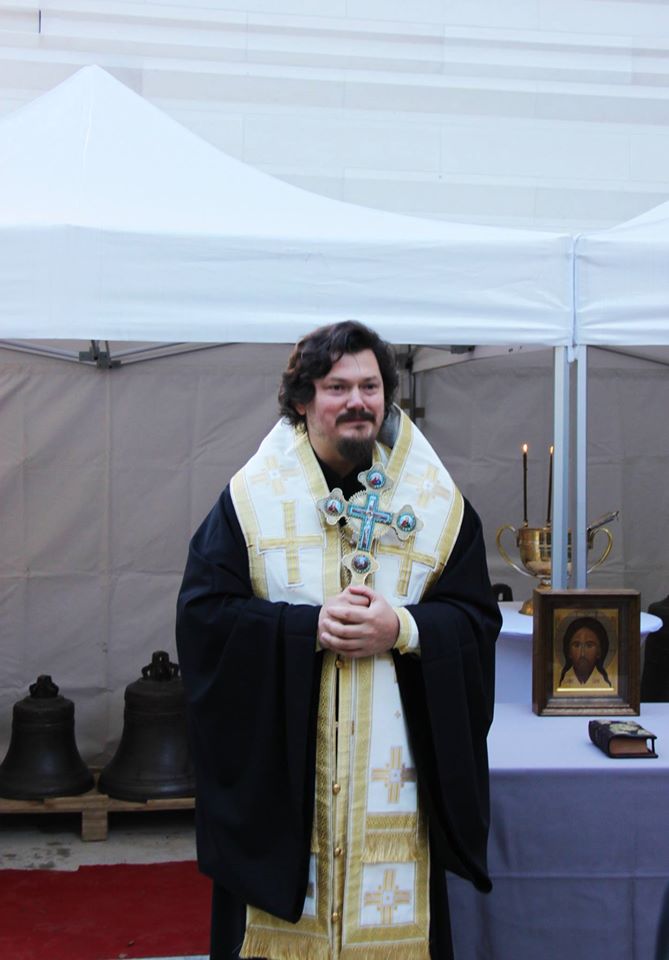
(428, 486)
(394, 775)
(275, 475)
(291, 542)
(408, 556)
(387, 897)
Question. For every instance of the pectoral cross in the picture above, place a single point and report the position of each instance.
(365, 515)
(369, 515)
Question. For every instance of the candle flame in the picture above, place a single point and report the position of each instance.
(551, 450)
(524, 448)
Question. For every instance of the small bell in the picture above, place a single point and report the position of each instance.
(152, 761)
(42, 759)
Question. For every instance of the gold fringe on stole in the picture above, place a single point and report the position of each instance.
(387, 847)
(401, 950)
(277, 945)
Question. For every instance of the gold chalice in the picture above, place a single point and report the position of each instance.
(534, 548)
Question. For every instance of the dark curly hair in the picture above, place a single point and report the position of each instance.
(314, 355)
(599, 630)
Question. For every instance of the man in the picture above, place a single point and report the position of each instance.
(336, 634)
(586, 646)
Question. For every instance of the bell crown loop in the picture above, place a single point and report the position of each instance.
(43, 688)
(160, 668)
(43, 705)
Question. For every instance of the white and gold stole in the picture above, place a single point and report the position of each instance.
(368, 892)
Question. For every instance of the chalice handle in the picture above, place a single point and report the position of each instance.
(505, 556)
(607, 549)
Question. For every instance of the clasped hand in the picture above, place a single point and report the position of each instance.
(358, 622)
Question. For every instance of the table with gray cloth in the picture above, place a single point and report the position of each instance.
(579, 845)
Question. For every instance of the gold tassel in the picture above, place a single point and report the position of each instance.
(285, 946)
(386, 847)
(411, 950)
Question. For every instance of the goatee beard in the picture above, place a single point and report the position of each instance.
(356, 450)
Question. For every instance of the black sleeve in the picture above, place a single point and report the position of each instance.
(448, 695)
(251, 676)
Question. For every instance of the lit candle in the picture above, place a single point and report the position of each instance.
(550, 485)
(524, 448)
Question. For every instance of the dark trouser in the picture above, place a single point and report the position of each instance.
(228, 922)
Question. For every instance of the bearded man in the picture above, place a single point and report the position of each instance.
(336, 633)
(586, 646)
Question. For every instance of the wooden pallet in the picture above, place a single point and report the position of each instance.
(94, 808)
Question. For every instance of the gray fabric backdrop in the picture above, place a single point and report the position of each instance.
(104, 476)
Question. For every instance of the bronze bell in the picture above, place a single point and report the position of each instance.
(42, 759)
(152, 760)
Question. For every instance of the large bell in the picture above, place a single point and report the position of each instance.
(152, 761)
(42, 759)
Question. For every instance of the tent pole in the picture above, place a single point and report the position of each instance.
(580, 545)
(560, 468)
(25, 346)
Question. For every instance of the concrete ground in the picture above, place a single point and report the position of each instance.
(53, 841)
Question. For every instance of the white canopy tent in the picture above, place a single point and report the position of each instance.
(118, 224)
(622, 283)
(622, 303)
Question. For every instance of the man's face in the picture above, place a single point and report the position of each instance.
(346, 412)
(584, 652)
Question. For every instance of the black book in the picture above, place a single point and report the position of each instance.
(622, 738)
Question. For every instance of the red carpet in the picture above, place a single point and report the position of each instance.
(104, 912)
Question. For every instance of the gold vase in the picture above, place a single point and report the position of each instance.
(535, 551)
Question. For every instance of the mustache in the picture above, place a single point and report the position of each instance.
(355, 415)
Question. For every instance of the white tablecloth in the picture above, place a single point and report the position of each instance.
(579, 845)
(513, 682)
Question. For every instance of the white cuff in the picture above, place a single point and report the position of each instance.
(408, 640)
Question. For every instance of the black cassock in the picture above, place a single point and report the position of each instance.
(251, 674)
